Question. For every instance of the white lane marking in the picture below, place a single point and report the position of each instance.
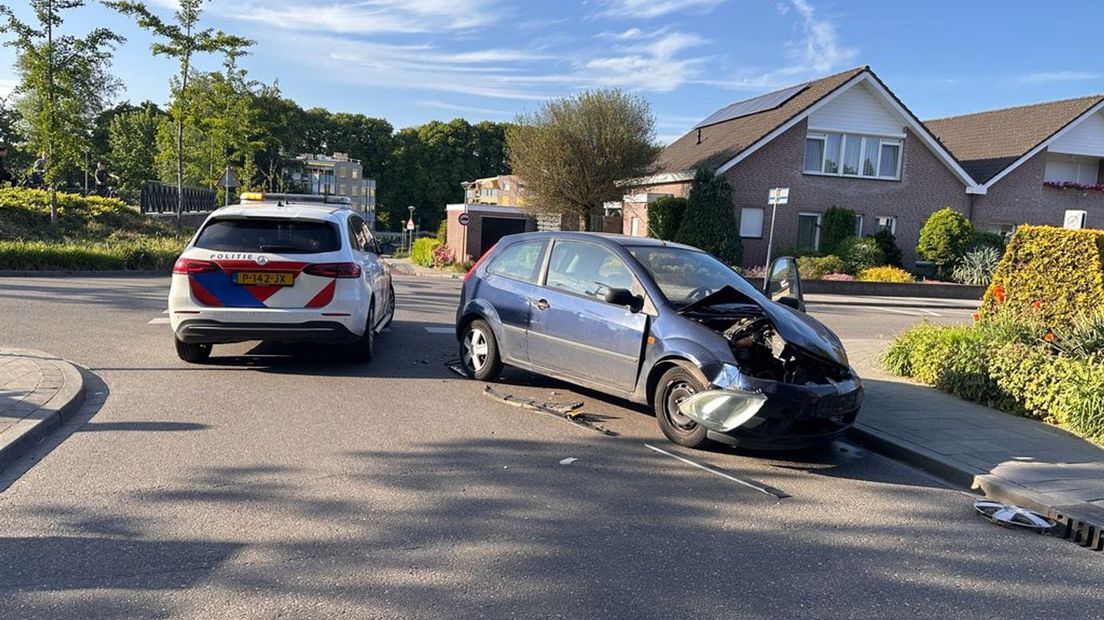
(717, 472)
(440, 330)
(898, 311)
(161, 320)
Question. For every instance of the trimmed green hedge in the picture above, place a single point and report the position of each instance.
(422, 252)
(139, 254)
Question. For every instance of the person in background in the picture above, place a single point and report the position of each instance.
(104, 179)
(38, 172)
(6, 177)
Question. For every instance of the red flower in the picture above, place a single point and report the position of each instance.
(998, 292)
(1037, 304)
(1049, 337)
(977, 316)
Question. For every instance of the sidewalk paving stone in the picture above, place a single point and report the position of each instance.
(37, 392)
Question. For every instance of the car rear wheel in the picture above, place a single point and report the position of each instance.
(675, 386)
(192, 353)
(361, 349)
(479, 352)
(390, 308)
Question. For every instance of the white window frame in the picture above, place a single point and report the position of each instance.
(762, 222)
(818, 216)
(859, 224)
(892, 223)
(844, 137)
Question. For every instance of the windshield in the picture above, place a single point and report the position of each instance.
(284, 236)
(685, 276)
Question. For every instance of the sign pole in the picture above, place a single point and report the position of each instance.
(770, 238)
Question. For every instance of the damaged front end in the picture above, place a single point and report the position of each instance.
(773, 393)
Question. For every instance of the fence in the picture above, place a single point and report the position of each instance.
(160, 198)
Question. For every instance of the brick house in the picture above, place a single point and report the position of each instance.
(1033, 163)
(844, 140)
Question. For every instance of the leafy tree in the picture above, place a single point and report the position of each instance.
(887, 243)
(182, 41)
(63, 83)
(944, 238)
(710, 220)
(836, 225)
(132, 146)
(665, 217)
(573, 151)
(11, 136)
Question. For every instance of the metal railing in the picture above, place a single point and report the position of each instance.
(161, 198)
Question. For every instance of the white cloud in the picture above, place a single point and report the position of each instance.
(633, 34)
(648, 9)
(463, 108)
(1058, 76)
(821, 49)
(365, 16)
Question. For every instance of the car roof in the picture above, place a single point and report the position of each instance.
(288, 210)
(605, 238)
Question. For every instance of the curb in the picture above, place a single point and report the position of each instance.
(135, 273)
(1080, 523)
(21, 436)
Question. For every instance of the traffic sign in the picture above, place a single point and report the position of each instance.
(778, 196)
(228, 180)
(464, 219)
(410, 224)
(1074, 219)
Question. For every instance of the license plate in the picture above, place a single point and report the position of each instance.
(264, 278)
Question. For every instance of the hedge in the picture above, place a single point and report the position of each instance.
(140, 254)
(422, 252)
(884, 273)
(665, 217)
(1058, 271)
(816, 267)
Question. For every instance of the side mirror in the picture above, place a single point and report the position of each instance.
(783, 284)
(624, 297)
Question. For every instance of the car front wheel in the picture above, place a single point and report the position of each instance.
(479, 352)
(675, 386)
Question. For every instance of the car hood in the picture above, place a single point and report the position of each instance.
(796, 328)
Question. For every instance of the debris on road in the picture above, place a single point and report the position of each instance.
(1012, 516)
(564, 411)
(569, 460)
(458, 369)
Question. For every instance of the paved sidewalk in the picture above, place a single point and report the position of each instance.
(37, 392)
(1009, 458)
(406, 267)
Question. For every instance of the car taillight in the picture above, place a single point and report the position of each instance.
(334, 270)
(188, 266)
(479, 262)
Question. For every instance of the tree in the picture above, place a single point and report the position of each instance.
(665, 217)
(12, 137)
(836, 225)
(132, 145)
(572, 152)
(710, 221)
(180, 41)
(944, 238)
(63, 83)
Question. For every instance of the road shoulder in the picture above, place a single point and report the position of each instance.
(38, 392)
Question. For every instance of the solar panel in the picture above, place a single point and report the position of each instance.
(755, 105)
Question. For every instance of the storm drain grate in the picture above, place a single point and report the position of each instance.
(1076, 524)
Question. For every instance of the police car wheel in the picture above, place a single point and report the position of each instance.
(361, 349)
(192, 353)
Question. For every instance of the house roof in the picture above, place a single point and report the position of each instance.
(723, 141)
(987, 143)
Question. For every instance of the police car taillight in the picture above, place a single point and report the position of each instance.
(188, 266)
(334, 270)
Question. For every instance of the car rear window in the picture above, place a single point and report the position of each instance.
(269, 235)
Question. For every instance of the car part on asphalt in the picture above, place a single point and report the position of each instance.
(564, 411)
(1009, 515)
(747, 482)
(569, 460)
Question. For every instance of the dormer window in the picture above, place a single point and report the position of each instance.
(852, 155)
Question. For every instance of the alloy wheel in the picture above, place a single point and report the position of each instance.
(475, 350)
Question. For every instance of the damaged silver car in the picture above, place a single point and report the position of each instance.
(663, 324)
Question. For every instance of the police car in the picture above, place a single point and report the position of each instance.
(284, 268)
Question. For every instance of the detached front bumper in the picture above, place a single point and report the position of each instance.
(770, 415)
(207, 331)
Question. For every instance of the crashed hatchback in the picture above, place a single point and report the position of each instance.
(665, 325)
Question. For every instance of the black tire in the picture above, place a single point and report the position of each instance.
(674, 386)
(361, 349)
(482, 363)
(390, 309)
(192, 353)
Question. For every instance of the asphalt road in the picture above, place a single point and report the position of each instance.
(276, 481)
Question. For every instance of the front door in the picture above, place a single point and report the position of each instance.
(573, 330)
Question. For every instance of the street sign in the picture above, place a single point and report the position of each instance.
(1074, 219)
(464, 219)
(410, 224)
(778, 196)
(228, 180)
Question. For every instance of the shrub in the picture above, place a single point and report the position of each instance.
(665, 217)
(797, 251)
(884, 274)
(442, 256)
(887, 243)
(944, 238)
(836, 225)
(422, 252)
(977, 266)
(1083, 337)
(1059, 389)
(986, 239)
(839, 277)
(442, 230)
(148, 253)
(1061, 271)
(860, 253)
(709, 222)
(815, 268)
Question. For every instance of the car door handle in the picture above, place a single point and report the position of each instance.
(541, 304)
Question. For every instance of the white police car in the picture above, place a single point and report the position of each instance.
(284, 268)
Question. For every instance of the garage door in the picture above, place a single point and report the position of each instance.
(495, 228)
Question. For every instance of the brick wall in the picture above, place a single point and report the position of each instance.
(631, 209)
(926, 185)
(1021, 198)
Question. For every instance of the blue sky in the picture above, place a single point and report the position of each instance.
(411, 61)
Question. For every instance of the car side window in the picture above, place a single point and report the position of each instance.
(520, 261)
(587, 269)
(359, 236)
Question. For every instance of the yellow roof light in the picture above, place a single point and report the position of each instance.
(256, 196)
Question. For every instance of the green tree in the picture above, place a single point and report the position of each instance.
(944, 238)
(573, 151)
(19, 158)
(63, 83)
(182, 41)
(836, 225)
(710, 220)
(665, 217)
(132, 146)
